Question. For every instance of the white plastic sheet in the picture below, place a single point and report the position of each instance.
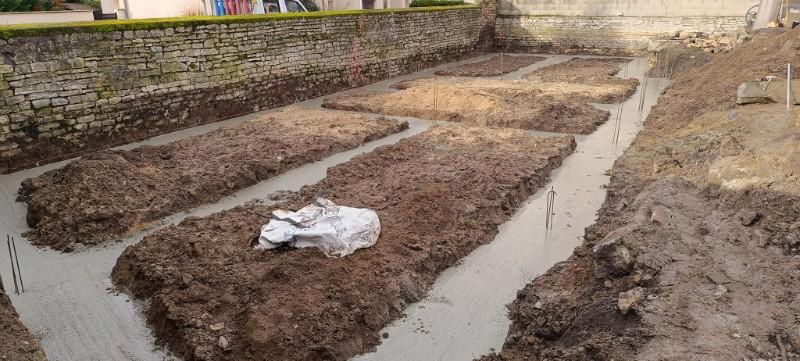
(337, 231)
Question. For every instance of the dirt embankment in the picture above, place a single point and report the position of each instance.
(694, 254)
(675, 59)
(554, 98)
(439, 195)
(16, 342)
(496, 65)
(109, 194)
(595, 71)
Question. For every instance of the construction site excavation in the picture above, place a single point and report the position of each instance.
(449, 182)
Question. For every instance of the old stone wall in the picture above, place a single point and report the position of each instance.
(671, 8)
(63, 92)
(623, 35)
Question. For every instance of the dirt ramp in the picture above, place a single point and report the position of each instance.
(439, 195)
(16, 342)
(595, 71)
(109, 194)
(507, 107)
(496, 65)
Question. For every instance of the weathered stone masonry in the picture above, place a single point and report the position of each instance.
(625, 35)
(74, 91)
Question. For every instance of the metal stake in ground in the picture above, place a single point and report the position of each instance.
(13, 272)
(789, 86)
(551, 200)
(19, 270)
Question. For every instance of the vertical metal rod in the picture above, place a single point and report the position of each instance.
(435, 93)
(19, 270)
(789, 86)
(551, 199)
(13, 272)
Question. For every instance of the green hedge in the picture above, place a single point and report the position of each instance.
(427, 3)
(25, 5)
(12, 31)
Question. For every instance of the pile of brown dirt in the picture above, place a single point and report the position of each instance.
(493, 66)
(675, 59)
(594, 71)
(698, 238)
(494, 107)
(16, 342)
(439, 195)
(109, 194)
(564, 91)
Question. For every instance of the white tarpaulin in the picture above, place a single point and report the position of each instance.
(337, 231)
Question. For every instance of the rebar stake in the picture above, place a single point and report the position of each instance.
(19, 270)
(13, 272)
(551, 200)
(788, 86)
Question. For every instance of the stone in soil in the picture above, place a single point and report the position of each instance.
(492, 67)
(110, 194)
(439, 195)
(16, 342)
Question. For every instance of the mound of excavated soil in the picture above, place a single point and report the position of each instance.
(698, 238)
(594, 71)
(563, 91)
(493, 66)
(675, 59)
(439, 195)
(109, 194)
(491, 106)
(16, 343)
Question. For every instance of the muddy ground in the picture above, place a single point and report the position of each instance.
(694, 254)
(16, 342)
(439, 195)
(496, 65)
(555, 100)
(106, 195)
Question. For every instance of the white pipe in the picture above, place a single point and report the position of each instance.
(789, 97)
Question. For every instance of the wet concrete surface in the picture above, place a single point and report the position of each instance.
(69, 304)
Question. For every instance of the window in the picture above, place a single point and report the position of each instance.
(293, 7)
(271, 6)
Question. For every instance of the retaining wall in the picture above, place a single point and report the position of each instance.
(624, 27)
(73, 88)
(609, 35)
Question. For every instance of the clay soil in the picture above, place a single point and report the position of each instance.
(494, 107)
(439, 195)
(555, 98)
(699, 234)
(109, 194)
(16, 343)
(675, 59)
(493, 66)
(595, 71)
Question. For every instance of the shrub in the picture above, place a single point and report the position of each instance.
(26, 5)
(426, 3)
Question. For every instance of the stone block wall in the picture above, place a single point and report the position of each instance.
(68, 90)
(609, 35)
(671, 8)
